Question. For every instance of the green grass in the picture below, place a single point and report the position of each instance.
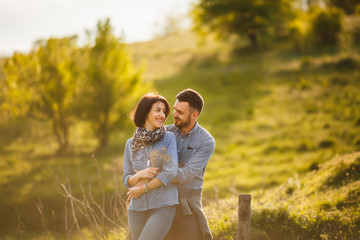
(275, 116)
(271, 118)
(322, 204)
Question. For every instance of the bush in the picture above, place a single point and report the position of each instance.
(281, 224)
(345, 175)
(349, 6)
(327, 26)
(355, 32)
(357, 10)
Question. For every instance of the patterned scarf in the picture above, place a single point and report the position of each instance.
(143, 138)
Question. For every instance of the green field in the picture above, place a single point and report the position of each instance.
(283, 122)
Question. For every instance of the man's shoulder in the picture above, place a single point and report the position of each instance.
(205, 133)
(171, 128)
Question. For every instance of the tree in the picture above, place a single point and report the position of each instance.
(327, 27)
(42, 84)
(349, 6)
(110, 83)
(245, 18)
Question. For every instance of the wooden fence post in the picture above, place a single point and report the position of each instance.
(244, 212)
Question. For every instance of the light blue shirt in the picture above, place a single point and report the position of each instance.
(165, 152)
(194, 151)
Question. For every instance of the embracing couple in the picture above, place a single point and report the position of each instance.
(164, 168)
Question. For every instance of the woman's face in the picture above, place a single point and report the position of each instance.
(156, 117)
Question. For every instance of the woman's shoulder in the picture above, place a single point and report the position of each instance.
(169, 135)
(129, 142)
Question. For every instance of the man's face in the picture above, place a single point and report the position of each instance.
(182, 114)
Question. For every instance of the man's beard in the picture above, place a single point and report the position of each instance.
(182, 124)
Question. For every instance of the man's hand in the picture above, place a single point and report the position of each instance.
(135, 192)
(175, 181)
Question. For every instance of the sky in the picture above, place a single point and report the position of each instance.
(22, 22)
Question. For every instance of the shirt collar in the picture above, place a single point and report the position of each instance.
(192, 130)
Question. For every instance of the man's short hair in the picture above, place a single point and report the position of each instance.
(144, 106)
(193, 98)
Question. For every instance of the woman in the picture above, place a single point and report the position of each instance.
(150, 164)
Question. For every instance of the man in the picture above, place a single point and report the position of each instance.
(195, 146)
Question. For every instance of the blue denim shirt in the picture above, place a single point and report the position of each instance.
(194, 151)
(164, 151)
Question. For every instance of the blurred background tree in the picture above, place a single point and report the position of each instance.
(42, 85)
(244, 18)
(349, 6)
(327, 27)
(109, 84)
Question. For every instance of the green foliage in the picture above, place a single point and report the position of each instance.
(42, 84)
(342, 64)
(20, 73)
(110, 83)
(349, 6)
(345, 175)
(224, 228)
(279, 223)
(59, 82)
(245, 18)
(357, 10)
(356, 30)
(326, 27)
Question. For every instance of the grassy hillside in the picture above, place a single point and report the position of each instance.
(323, 204)
(277, 116)
(273, 112)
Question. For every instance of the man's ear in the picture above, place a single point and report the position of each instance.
(194, 115)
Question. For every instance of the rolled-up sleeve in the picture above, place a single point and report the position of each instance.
(170, 165)
(128, 170)
(196, 165)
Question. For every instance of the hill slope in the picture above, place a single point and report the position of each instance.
(323, 204)
(273, 112)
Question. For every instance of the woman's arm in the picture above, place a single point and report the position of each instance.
(138, 191)
(130, 175)
(165, 177)
(147, 173)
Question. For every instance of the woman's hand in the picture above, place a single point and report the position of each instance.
(135, 192)
(147, 173)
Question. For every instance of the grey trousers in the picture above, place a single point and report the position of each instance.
(152, 224)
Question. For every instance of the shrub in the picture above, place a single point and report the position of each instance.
(357, 10)
(281, 224)
(306, 63)
(345, 175)
(326, 144)
(326, 27)
(356, 32)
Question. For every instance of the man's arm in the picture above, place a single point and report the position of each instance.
(198, 162)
